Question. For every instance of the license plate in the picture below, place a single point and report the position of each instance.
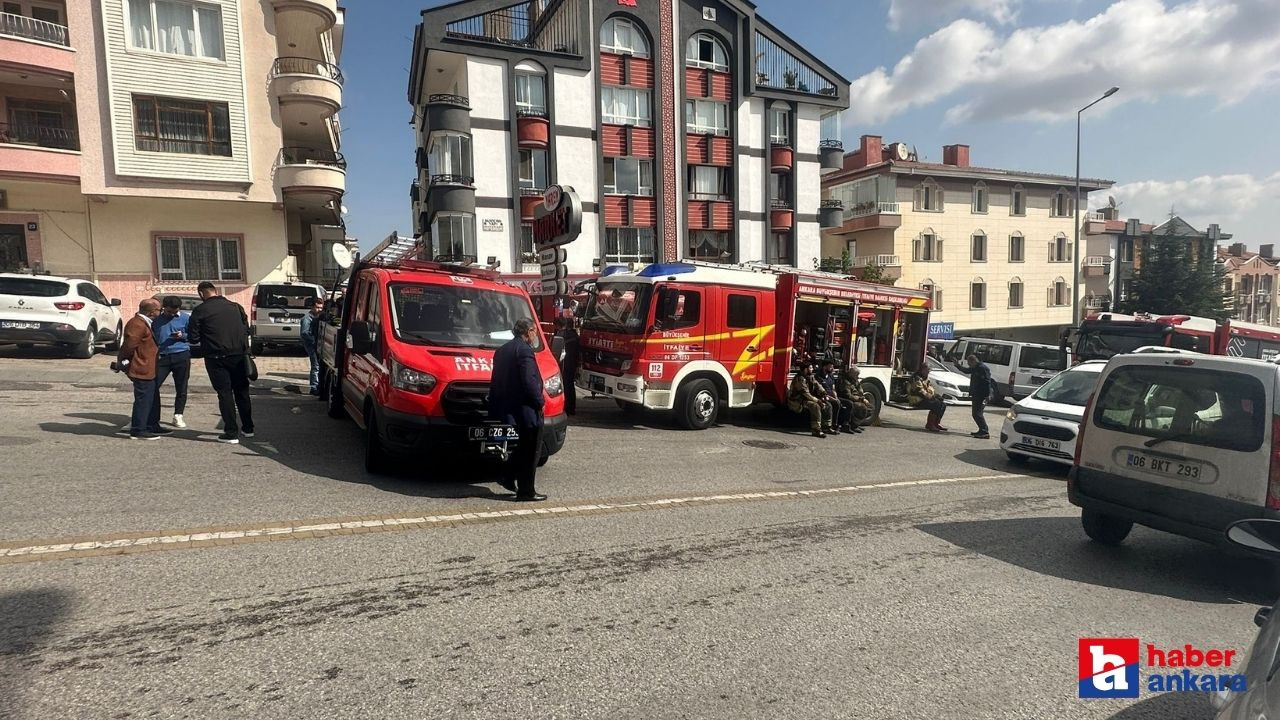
(283, 320)
(597, 383)
(493, 433)
(1168, 467)
(18, 325)
(1041, 443)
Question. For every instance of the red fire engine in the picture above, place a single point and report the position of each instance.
(1103, 335)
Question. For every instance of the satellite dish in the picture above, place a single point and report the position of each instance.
(344, 209)
(1111, 201)
(342, 255)
(900, 151)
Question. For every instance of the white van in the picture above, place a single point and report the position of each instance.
(1185, 443)
(1017, 368)
(276, 313)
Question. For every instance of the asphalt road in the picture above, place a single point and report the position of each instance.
(938, 582)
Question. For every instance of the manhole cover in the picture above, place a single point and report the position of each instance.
(766, 444)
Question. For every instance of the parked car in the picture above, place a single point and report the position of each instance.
(1044, 424)
(189, 303)
(1180, 442)
(275, 313)
(57, 311)
(1017, 368)
(954, 386)
(1261, 698)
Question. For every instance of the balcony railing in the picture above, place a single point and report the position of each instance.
(872, 208)
(306, 66)
(836, 144)
(831, 205)
(863, 261)
(33, 29)
(307, 156)
(779, 204)
(1096, 302)
(1094, 217)
(1097, 261)
(447, 99)
(451, 179)
(38, 135)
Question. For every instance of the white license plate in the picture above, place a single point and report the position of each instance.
(18, 325)
(1168, 467)
(1041, 443)
(493, 433)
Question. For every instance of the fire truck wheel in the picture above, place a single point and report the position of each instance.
(877, 401)
(697, 404)
(375, 457)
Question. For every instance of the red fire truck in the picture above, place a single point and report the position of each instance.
(690, 336)
(1103, 335)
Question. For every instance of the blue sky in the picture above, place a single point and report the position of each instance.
(1192, 126)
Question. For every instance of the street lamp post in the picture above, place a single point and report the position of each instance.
(1075, 248)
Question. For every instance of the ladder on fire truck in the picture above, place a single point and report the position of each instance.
(392, 251)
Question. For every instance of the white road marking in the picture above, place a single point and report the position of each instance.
(184, 539)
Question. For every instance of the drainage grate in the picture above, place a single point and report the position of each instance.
(766, 444)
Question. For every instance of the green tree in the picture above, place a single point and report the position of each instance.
(1171, 281)
(873, 273)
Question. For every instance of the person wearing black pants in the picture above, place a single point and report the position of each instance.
(569, 364)
(222, 329)
(170, 331)
(230, 379)
(979, 392)
(516, 397)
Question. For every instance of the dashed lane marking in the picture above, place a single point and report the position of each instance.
(12, 552)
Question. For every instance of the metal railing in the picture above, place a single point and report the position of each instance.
(779, 204)
(531, 112)
(1097, 261)
(872, 208)
(1094, 216)
(831, 205)
(837, 144)
(451, 179)
(307, 66)
(550, 25)
(33, 29)
(1095, 302)
(39, 136)
(862, 261)
(532, 192)
(447, 99)
(308, 156)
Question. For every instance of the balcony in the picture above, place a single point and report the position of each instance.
(309, 91)
(35, 43)
(781, 159)
(530, 199)
(781, 216)
(312, 180)
(830, 156)
(533, 129)
(308, 16)
(1097, 302)
(890, 265)
(1097, 266)
(830, 213)
(870, 215)
(448, 112)
(40, 153)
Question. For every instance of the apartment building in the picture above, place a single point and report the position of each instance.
(688, 128)
(1114, 249)
(1252, 282)
(994, 247)
(153, 144)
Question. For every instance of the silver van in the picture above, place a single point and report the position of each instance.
(276, 313)
(1017, 368)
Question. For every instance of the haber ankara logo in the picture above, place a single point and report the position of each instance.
(1108, 667)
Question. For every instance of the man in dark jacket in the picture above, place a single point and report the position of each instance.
(516, 398)
(222, 329)
(569, 363)
(979, 392)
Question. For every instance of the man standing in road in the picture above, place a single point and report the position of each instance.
(222, 329)
(569, 363)
(310, 340)
(979, 392)
(170, 332)
(137, 355)
(516, 398)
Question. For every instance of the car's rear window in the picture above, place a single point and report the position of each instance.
(1218, 408)
(294, 297)
(32, 287)
(1042, 358)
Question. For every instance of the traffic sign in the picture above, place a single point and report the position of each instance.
(555, 271)
(550, 256)
(555, 287)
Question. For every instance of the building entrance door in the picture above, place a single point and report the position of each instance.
(13, 248)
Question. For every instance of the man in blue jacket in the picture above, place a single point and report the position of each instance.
(309, 332)
(516, 398)
(170, 331)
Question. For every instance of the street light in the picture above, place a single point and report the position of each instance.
(1075, 254)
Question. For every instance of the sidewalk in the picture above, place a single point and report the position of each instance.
(46, 366)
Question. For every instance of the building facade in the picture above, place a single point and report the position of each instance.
(1114, 250)
(153, 144)
(994, 247)
(1252, 282)
(689, 129)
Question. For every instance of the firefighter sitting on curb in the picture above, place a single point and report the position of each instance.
(849, 388)
(806, 395)
(922, 394)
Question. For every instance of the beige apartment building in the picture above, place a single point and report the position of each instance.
(1252, 282)
(153, 144)
(995, 247)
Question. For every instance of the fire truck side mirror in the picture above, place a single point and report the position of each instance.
(361, 338)
(557, 346)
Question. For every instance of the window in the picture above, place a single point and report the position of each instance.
(708, 183)
(1125, 249)
(991, 353)
(1017, 248)
(91, 292)
(978, 247)
(41, 123)
(1059, 293)
(1218, 409)
(450, 155)
(192, 258)
(706, 117)
(778, 249)
(927, 248)
(678, 308)
(1015, 293)
(628, 176)
(624, 106)
(935, 293)
(929, 197)
(533, 169)
(628, 244)
(528, 255)
(531, 90)
(1062, 205)
(453, 236)
(742, 311)
(780, 190)
(620, 36)
(780, 126)
(1017, 201)
(710, 245)
(47, 14)
(181, 126)
(704, 51)
(1060, 249)
(980, 198)
(176, 27)
(977, 294)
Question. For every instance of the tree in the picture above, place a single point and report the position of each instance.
(1172, 281)
(873, 273)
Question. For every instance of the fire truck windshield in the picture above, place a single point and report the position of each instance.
(453, 316)
(618, 307)
(1103, 343)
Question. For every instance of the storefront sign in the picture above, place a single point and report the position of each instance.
(558, 220)
(491, 225)
(942, 331)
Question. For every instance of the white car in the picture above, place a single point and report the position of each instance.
(57, 311)
(953, 386)
(1044, 424)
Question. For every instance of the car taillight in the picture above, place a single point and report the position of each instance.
(69, 305)
(1273, 477)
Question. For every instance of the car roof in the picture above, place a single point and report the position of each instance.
(1220, 362)
(1007, 342)
(50, 278)
(1088, 366)
(440, 277)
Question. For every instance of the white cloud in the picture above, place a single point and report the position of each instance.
(1238, 203)
(909, 13)
(1225, 49)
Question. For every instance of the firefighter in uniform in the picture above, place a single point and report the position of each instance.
(806, 396)
(922, 394)
(849, 389)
